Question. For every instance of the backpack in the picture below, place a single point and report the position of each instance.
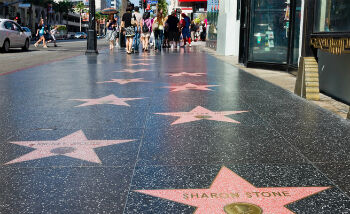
(145, 28)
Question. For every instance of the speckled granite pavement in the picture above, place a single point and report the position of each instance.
(177, 132)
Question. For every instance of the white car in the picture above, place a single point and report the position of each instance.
(28, 32)
(12, 36)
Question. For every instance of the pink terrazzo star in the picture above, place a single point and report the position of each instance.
(132, 71)
(186, 74)
(200, 113)
(124, 81)
(191, 86)
(75, 145)
(110, 99)
(228, 188)
(143, 59)
(145, 64)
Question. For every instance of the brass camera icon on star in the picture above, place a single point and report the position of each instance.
(242, 208)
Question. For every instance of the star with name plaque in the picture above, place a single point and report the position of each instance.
(232, 194)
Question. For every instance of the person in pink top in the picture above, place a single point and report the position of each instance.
(146, 29)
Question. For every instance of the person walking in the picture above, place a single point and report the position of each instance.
(111, 31)
(41, 33)
(174, 34)
(166, 34)
(203, 34)
(186, 22)
(146, 26)
(117, 32)
(129, 29)
(158, 29)
(52, 33)
(138, 17)
(193, 30)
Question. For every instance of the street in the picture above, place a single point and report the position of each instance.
(16, 59)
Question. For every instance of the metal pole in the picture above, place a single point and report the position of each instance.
(92, 37)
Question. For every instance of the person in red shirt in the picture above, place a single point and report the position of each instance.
(186, 34)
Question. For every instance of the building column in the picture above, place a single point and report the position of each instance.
(226, 28)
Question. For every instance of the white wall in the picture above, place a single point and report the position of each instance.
(228, 29)
(237, 26)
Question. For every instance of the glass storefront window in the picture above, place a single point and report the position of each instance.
(332, 16)
(212, 18)
(296, 37)
(269, 31)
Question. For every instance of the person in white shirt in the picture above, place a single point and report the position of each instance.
(138, 18)
(52, 33)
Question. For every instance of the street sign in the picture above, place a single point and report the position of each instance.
(24, 5)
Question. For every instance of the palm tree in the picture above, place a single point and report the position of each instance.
(80, 7)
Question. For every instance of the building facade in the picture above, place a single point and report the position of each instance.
(275, 34)
(266, 33)
(102, 4)
(116, 4)
(326, 33)
(29, 16)
(192, 8)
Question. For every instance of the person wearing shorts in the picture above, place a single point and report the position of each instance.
(146, 27)
(40, 32)
(186, 34)
(129, 29)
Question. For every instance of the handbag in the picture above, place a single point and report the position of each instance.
(155, 24)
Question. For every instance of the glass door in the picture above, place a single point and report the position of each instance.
(243, 9)
(295, 34)
(269, 31)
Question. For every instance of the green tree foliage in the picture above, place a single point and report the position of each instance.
(64, 7)
(80, 7)
(61, 7)
(163, 5)
(100, 16)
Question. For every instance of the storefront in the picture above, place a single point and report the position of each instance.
(212, 21)
(327, 37)
(269, 33)
(196, 6)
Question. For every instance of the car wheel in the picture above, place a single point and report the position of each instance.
(26, 46)
(6, 46)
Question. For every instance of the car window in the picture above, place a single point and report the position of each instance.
(16, 27)
(8, 25)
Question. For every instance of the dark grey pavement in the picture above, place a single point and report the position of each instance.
(176, 132)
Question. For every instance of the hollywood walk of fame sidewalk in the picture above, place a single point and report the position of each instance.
(176, 132)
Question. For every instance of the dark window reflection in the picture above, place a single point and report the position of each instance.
(332, 16)
(269, 31)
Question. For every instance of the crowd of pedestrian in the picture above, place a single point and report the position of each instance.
(156, 32)
(45, 34)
